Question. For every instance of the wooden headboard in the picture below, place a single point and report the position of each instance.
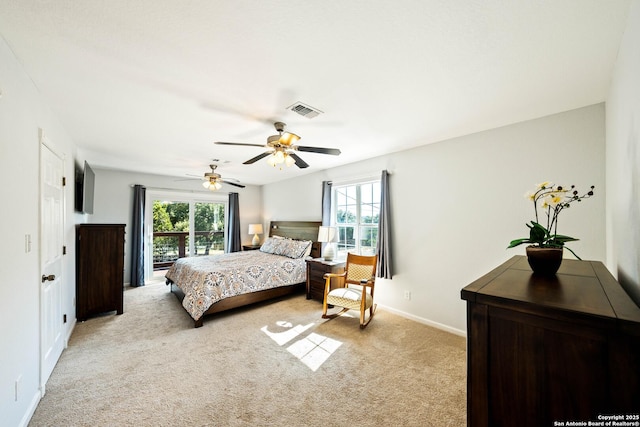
(301, 230)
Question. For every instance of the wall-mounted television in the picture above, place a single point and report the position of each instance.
(85, 185)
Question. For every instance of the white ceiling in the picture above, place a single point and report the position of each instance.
(149, 85)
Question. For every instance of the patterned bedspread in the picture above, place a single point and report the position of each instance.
(206, 280)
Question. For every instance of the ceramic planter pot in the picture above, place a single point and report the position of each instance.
(544, 261)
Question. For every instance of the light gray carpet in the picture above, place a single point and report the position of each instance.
(273, 364)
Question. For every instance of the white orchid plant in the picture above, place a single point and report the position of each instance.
(552, 199)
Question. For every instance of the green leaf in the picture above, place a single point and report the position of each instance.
(564, 239)
(517, 242)
(537, 233)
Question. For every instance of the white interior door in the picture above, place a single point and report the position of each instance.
(52, 234)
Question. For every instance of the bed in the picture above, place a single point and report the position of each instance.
(211, 284)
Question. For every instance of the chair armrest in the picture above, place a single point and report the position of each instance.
(327, 280)
(368, 282)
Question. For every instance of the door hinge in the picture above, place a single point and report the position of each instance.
(64, 250)
(64, 181)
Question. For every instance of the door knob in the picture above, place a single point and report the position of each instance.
(50, 278)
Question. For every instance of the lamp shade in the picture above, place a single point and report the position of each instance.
(327, 234)
(255, 229)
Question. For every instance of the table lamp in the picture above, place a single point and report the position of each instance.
(328, 235)
(255, 229)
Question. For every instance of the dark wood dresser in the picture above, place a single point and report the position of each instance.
(316, 268)
(99, 269)
(546, 350)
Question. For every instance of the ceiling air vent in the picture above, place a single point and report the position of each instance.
(304, 110)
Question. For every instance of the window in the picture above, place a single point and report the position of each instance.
(181, 225)
(186, 229)
(356, 209)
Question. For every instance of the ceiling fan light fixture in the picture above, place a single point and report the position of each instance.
(212, 184)
(280, 149)
(289, 161)
(279, 156)
(271, 161)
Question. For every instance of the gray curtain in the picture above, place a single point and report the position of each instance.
(326, 203)
(326, 207)
(233, 243)
(384, 230)
(137, 236)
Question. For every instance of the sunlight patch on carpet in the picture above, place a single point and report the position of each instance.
(312, 350)
(281, 338)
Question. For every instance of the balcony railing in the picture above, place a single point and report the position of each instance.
(168, 246)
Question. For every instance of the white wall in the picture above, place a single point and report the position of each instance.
(457, 204)
(623, 158)
(466, 191)
(113, 201)
(22, 113)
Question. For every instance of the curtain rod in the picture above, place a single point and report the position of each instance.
(179, 190)
(346, 180)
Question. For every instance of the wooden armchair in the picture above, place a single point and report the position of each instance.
(361, 272)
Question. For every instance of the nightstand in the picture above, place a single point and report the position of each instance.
(250, 247)
(316, 268)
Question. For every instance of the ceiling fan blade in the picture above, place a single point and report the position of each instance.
(234, 184)
(239, 143)
(299, 162)
(256, 158)
(321, 150)
(226, 179)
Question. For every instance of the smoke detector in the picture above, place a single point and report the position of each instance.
(304, 110)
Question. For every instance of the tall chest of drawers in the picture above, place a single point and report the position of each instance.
(99, 269)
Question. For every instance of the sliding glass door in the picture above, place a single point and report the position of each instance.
(183, 226)
(170, 239)
(208, 228)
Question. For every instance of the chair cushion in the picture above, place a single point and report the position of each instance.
(349, 298)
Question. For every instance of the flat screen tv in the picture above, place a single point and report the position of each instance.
(85, 185)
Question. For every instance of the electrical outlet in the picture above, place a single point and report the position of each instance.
(407, 295)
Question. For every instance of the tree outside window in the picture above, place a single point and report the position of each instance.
(175, 216)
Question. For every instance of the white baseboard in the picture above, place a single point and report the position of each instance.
(425, 321)
(69, 332)
(35, 400)
(24, 422)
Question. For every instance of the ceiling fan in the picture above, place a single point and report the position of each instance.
(213, 181)
(281, 149)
